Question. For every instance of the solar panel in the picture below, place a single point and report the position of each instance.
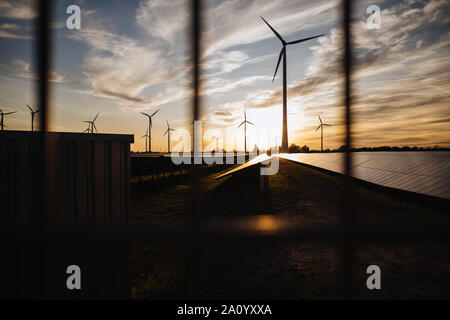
(424, 172)
(259, 159)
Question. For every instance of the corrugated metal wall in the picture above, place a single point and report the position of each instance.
(88, 184)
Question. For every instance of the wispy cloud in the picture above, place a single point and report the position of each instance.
(9, 30)
(22, 69)
(17, 9)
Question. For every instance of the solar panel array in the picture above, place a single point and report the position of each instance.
(426, 172)
(262, 158)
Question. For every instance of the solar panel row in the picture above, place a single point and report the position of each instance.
(422, 172)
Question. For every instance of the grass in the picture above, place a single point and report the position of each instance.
(284, 269)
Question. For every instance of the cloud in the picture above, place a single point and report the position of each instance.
(228, 23)
(9, 30)
(17, 9)
(122, 67)
(217, 86)
(22, 69)
(227, 61)
(163, 19)
(379, 57)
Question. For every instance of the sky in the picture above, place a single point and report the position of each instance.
(133, 56)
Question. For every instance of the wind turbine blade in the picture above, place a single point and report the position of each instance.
(9, 112)
(1, 112)
(318, 128)
(166, 132)
(305, 39)
(86, 121)
(30, 108)
(274, 31)
(250, 122)
(95, 117)
(154, 113)
(241, 124)
(167, 124)
(320, 119)
(245, 116)
(37, 111)
(145, 114)
(327, 125)
(93, 124)
(278, 63)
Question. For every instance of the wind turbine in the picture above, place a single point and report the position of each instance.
(146, 136)
(91, 125)
(150, 128)
(168, 135)
(245, 130)
(88, 130)
(2, 115)
(217, 144)
(32, 117)
(321, 131)
(284, 141)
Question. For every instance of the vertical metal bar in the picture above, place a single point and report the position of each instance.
(196, 30)
(43, 65)
(195, 261)
(43, 41)
(347, 206)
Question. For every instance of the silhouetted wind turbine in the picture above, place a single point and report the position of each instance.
(245, 130)
(217, 143)
(2, 115)
(321, 131)
(88, 128)
(32, 117)
(284, 141)
(146, 136)
(150, 127)
(168, 135)
(91, 125)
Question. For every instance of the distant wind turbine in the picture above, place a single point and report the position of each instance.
(2, 115)
(217, 143)
(146, 136)
(32, 117)
(168, 135)
(150, 128)
(284, 141)
(245, 130)
(91, 125)
(88, 130)
(321, 131)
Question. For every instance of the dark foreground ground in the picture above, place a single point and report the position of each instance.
(284, 269)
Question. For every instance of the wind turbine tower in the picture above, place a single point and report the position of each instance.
(168, 135)
(284, 141)
(91, 125)
(2, 115)
(32, 117)
(150, 128)
(146, 136)
(321, 131)
(245, 130)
